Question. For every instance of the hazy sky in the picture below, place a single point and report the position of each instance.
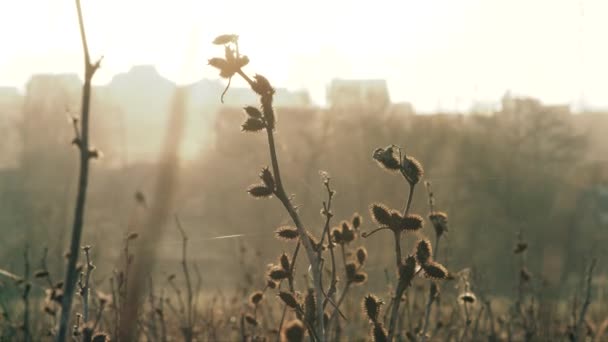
(434, 53)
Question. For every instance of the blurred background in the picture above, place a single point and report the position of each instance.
(503, 102)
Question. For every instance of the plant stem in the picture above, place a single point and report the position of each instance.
(83, 178)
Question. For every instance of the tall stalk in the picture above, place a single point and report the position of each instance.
(82, 142)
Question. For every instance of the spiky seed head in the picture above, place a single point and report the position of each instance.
(262, 86)
(278, 273)
(357, 221)
(520, 247)
(435, 270)
(253, 125)
(267, 178)
(293, 331)
(251, 320)
(412, 222)
(424, 251)
(359, 278)
(467, 297)
(253, 112)
(380, 214)
(289, 299)
(361, 255)
(386, 158)
(439, 220)
(408, 269)
(225, 39)
(310, 306)
(287, 233)
(371, 306)
(259, 191)
(256, 297)
(41, 274)
(379, 333)
(412, 170)
(396, 221)
(284, 259)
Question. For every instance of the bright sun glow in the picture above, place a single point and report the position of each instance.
(433, 53)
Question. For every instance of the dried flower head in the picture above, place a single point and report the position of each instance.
(386, 158)
(467, 297)
(259, 191)
(100, 337)
(361, 255)
(253, 112)
(267, 178)
(371, 306)
(359, 278)
(424, 252)
(293, 331)
(256, 297)
(287, 233)
(356, 221)
(412, 170)
(253, 125)
(284, 260)
(408, 269)
(440, 222)
(412, 222)
(289, 299)
(435, 270)
(380, 214)
(278, 273)
(310, 306)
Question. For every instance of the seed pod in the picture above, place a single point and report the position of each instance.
(435, 270)
(412, 170)
(253, 125)
(267, 178)
(361, 255)
(337, 235)
(293, 331)
(253, 112)
(288, 299)
(271, 284)
(351, 270)
(371, 306)
(359, 278)
(310, 306)
(411, 222)
(284, 259)
(100, 337)
(259, 191)
(287, 233)
(261, 85)
(424, 252)
(386, 158)
(408, 269)
(278, 273)
(356, 220)
(380, 214)
(467, 297)
(440, 222)
(256, 297)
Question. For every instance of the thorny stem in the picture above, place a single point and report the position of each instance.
(581, 319)
(429, 303)
(83, 178)
(84, 287)
(280, 192)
